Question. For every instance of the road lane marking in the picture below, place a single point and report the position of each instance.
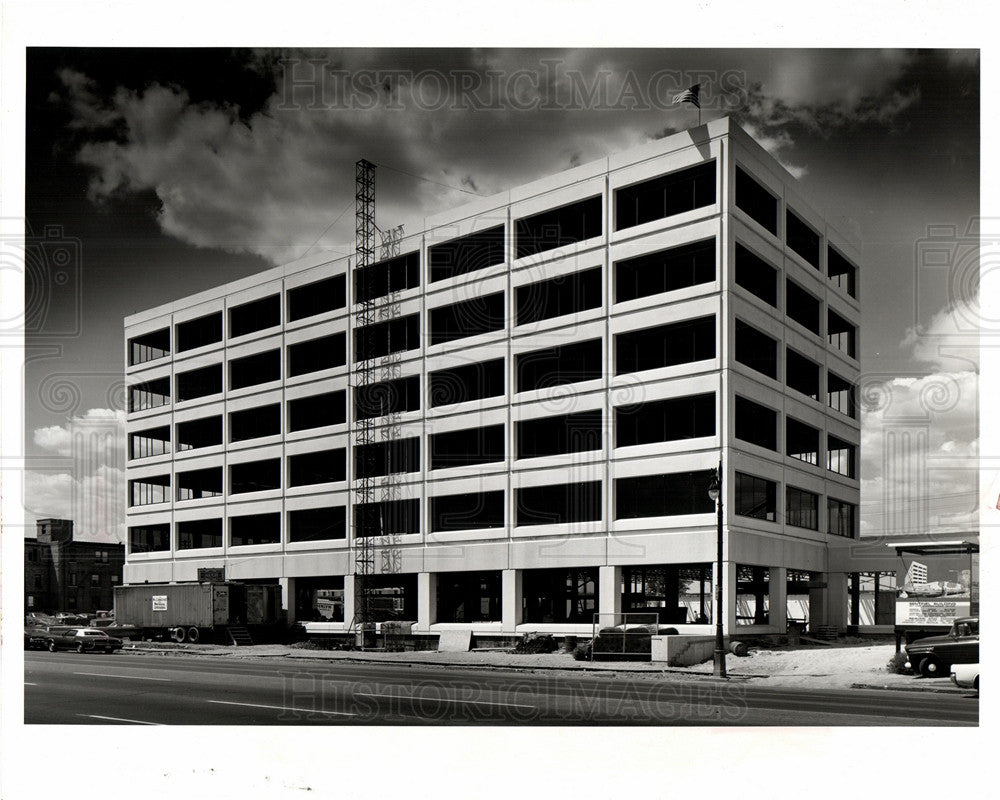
(283, 708)
(129, 677)
(440, 699)
(119, 719)
(26, 683)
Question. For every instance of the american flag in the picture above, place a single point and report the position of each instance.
(689, 96)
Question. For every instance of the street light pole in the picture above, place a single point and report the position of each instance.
(715, 492)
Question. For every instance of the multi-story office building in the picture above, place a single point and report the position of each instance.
(558, 370)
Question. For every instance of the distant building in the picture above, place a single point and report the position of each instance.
(63, 575)
(917, 573)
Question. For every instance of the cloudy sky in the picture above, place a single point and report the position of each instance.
(153, 174)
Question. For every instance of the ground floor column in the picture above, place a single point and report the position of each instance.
(350, 581)
(288, 597)
(728, 595)
(510, 599)
(836, 599)
(818, 601)
(426, 600)
(777, 598)
(609, 595)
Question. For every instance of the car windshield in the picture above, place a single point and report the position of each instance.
(92, 633)
(966, 629)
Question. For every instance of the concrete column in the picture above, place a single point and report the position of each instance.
(836, 595)
(350, 582)
(818, 601)
(510, 599)
(777, 598)
(426, 600)
(609, 595)
(288, 597)
(728, 595)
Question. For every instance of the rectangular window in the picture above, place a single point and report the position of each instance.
(255, 316)
(840, 333)
(255, 529)
(469, 318)
(199, 382)
(842, 272)
(322, 466)
(801, 374)
(755, 275)
(840, 395)
(149, 538)
(470, 382)
(198, 534)
(665, 196)
(385, 458)
(468, 596)
(465, 254)
(665, 420)
(470, 511)
(840, 456)
(801, 441)
(317, 411)
(255, 476)
(196, 433)
(802, 307)
(391, 336)
(255, 369)
(394, 275)
(557, 227)
(756, 350)
(802, 509)
(840, 518)
(665, 271)
(314, 355)
(756, 424)
(665, 345)
(756, 497)
(95, 580)
(149, 347)
(559, 504)
(556, 297)
(149, 490)
(317, 524)
(556, 366)
(253, 423)
(566, 433)
(150, 442)
(756, 202)
(467, 447)
(388, 518)
(318, 297)
(196, 484)
(150, 394)
(801, 238)
(668, 495)
(387, 397)
(560, 595)
(199, 332)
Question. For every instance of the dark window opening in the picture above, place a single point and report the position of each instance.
(149, 346)
(676, 593)
(322, 466)
(840, 333)
(316, 411)
(667, 495)
(317, 524)
(252, 423)
(665, 345)
(842, 272)
(560, 226)
(384, 458)
(196, 534)
(387, 518)
(665, 196)
(470, 511)
(756, 202)
(326, 352)
(151, 394)
(151, 442)
(196, 433)
(394, 275)
(255, 316)
(801, 238)
(199, 483)
(199, 332)
(465, 254)
(255, 369)
(468, 318)
(199, 382)
(801, 374)
(840, 395)
(466, 383)
(560, 595)
(317, 297)
(756, 350)
(752, 595)
(467, 447)
(755, 497)
(840, 518)
(664, 271)
(756, 424)
(387, 397)
(255, 529)
(801, 508)
(755, 275)
(556, 366)
(559, 504)
(392, 597)
(556, 297)
(802, 307)
(665, 420)
(801, 441)
(557, 435)
(391, 336)
(255, 476)
(149, 538)
(149, 490)
(840, 456)
(468, 596)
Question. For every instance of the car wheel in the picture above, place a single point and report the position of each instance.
(52, 646)
(930, 667)
(79, 647)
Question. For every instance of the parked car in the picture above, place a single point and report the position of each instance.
(83, 640)
(933, 656)
(966, 676)
(36, 637)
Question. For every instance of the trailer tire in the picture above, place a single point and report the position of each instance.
(179, 634)
(193, 635)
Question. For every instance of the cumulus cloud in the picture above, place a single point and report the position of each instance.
(950, 339)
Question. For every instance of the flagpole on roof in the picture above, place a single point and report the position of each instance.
(690, 95)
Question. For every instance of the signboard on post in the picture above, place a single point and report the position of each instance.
(931, 612)
(159, 602)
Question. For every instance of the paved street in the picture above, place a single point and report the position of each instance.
(66, 688)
